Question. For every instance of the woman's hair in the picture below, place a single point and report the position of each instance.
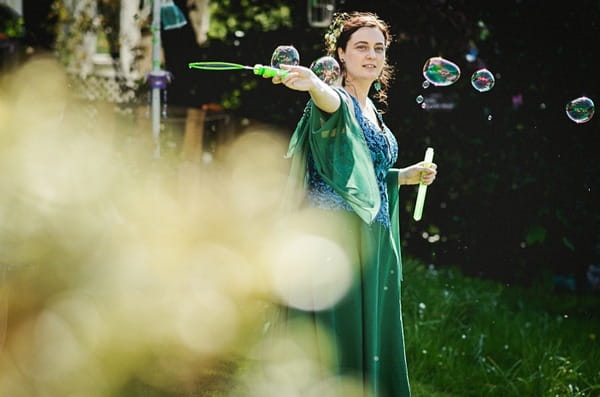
(343, 27)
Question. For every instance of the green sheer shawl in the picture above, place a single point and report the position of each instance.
(342, 158)
(341, 155)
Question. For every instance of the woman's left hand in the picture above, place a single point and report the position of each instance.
(418, 173)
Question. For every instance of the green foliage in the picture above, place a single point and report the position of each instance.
(71, 28)
(227, 17)
(535, 235)
(12, 28)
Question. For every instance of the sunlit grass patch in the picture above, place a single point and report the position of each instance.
(477, 337)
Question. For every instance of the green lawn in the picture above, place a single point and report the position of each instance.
(472, 337)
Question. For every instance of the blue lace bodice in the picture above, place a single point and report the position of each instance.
(384, 152)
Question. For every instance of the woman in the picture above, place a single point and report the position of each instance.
(341, 154)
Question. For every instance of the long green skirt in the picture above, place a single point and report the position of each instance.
(365, 326)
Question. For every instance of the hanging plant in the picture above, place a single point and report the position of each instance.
(75, 22)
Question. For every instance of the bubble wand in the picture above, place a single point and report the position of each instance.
(258, 69)
(422, 188)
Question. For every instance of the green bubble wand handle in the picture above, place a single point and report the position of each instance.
(258, 69)
(422, 188)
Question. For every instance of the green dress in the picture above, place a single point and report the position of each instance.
(340, 168)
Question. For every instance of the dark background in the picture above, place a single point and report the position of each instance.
(518, 181)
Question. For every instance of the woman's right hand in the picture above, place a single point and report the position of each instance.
(299, 78)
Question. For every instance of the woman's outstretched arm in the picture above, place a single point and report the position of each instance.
(301, 78)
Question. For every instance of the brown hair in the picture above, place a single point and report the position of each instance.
(343, 27)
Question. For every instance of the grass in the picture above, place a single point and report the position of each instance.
(472, 337)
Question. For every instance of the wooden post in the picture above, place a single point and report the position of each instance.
(192, 138)
(190, 168)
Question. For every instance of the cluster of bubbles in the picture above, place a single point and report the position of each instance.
(442, 73)
(437, 71)
(326, 67)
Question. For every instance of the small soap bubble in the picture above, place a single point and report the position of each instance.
(286, 55)
(580, 110)
(420, 99)
(425, 84)
(441, 72)
(471, 56)
(327, 69)
(482, 80)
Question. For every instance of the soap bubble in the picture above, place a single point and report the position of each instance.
(286, 55)
(482, 80)
(441, 72)
(580, 110)
(327, 69)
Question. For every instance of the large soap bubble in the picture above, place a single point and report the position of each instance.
(327, 69)
(285, 55)
(580, 110)
(441, 72)
(483, 80)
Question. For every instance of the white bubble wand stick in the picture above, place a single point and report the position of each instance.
(422, 188)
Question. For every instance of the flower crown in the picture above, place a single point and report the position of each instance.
(335, 29)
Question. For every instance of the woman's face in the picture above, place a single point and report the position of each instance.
(364, 56)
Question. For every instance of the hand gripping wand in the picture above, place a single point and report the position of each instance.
(422, 188)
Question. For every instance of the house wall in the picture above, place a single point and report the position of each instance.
(16, 5)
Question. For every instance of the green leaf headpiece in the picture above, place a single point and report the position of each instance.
(334, 31)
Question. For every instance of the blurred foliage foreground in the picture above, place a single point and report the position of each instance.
(121, 272)
(124, 275)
